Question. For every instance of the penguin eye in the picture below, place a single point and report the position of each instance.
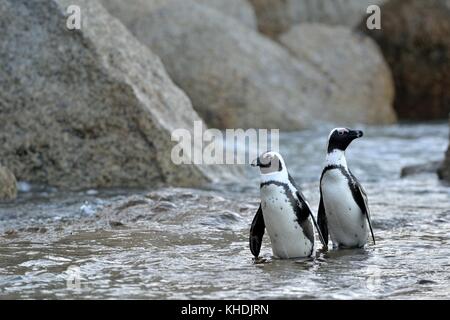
(341, 133)
(266, 159)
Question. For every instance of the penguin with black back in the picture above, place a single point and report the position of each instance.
(344, 212)
(283, 211)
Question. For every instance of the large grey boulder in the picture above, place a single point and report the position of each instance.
(360, 81)
(8, 185)
(86, 108)
(277, 16)
(415, 39)
(241, 10)
(429, 167)
(234, 76)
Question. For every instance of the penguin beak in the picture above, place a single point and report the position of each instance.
(356, 134)
(255, 163)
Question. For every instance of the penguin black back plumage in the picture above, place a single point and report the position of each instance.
(283, 211)
(340, 193)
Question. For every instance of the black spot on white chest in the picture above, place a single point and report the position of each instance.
(275, 199)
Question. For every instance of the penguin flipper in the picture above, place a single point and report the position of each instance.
(257, 232)
(363, 203)
(308, 208)
(301, 218)
(322, 221)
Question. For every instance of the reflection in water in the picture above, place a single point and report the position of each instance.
(194, 244)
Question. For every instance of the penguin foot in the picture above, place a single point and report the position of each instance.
(260, 260)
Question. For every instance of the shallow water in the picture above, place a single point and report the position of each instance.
(194, 243)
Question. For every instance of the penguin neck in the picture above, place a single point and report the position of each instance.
(336, 158)
(274, 176)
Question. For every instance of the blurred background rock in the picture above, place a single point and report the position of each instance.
(415, 40)
(8, 185)
(278, 16)
(95, 107)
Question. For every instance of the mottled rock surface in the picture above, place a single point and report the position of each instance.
(86, 108)
(241, 10)
(8, 185)
(277, 16)
(431, 167)
(415, 39)
(234, 76)
(360, 82)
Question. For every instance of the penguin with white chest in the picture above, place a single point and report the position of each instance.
(283, 211)
(343, 209)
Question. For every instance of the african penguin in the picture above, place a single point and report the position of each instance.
(283, 211)
(343, 207)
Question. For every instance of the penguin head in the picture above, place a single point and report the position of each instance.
(269, 162)
(340, 138)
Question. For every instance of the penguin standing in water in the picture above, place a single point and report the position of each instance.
(283, 211)
(343, 209)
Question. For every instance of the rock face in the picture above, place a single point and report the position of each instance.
(234, 76)
(360, 80)
(430, 167)
(415, 39)
(277, 16)
(238, 9)
(86, 108)
(8, 185)
(444, 171)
